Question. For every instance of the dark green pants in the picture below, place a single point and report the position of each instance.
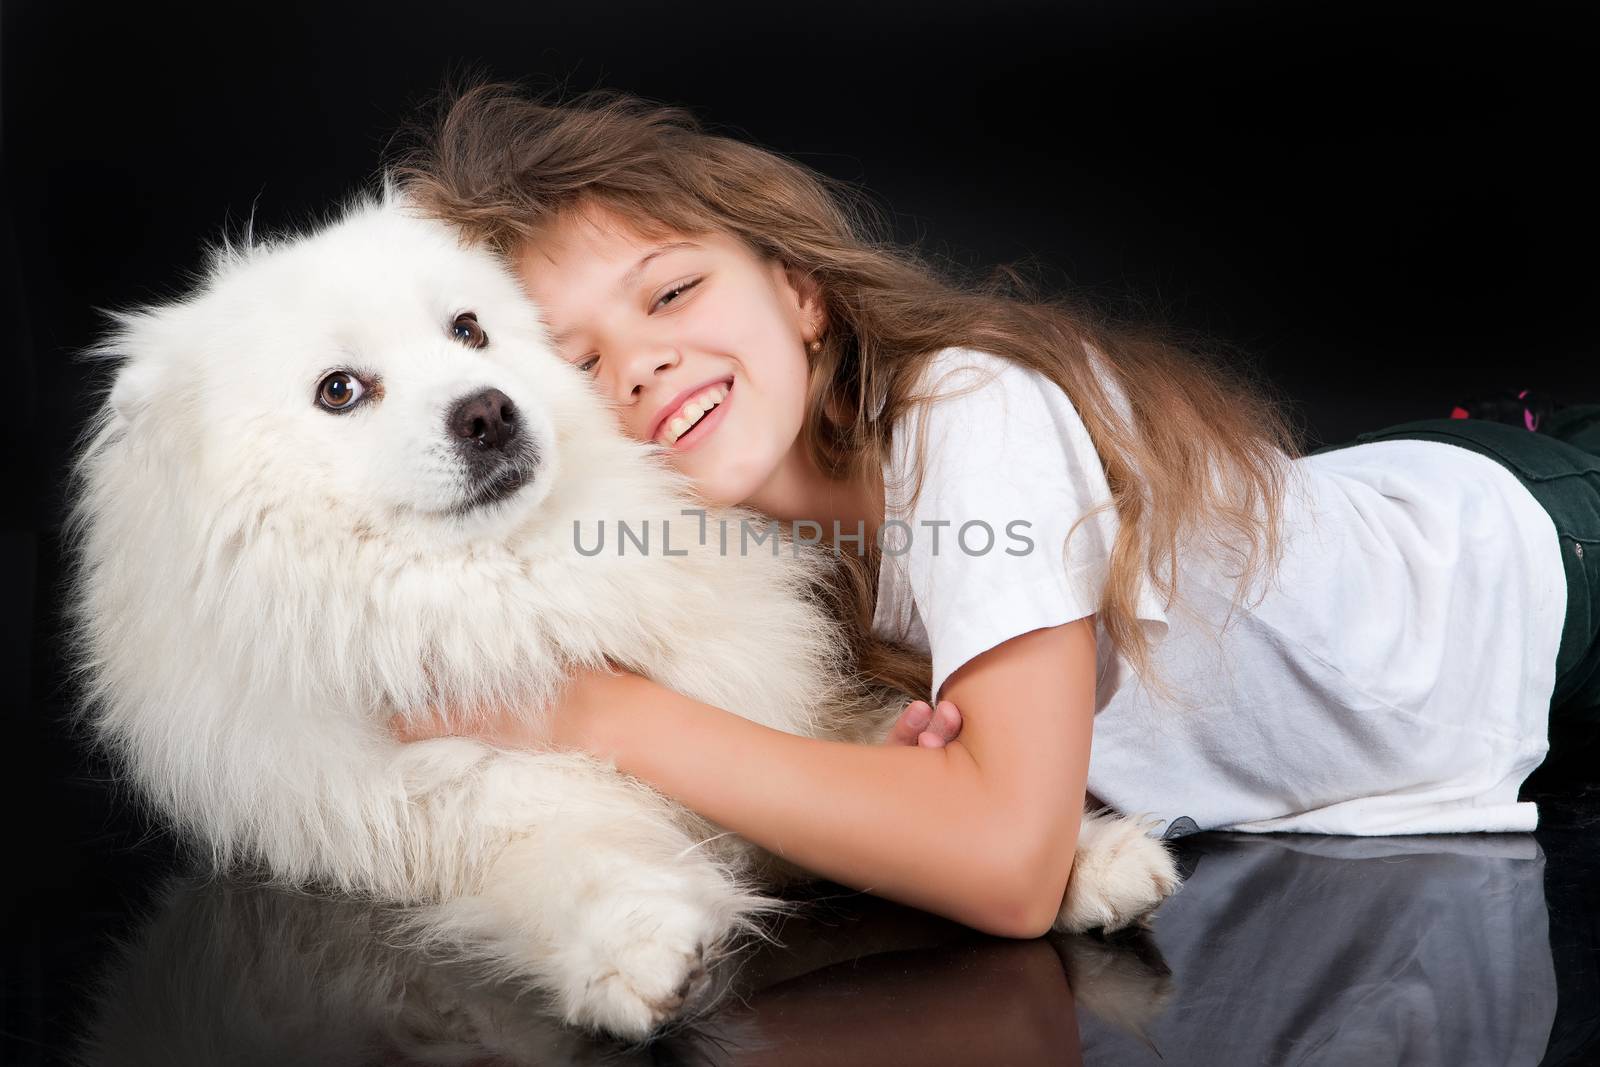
(1561, 468)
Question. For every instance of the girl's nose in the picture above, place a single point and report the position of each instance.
(643, 366)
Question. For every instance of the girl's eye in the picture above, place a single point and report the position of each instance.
(465, 329)
(339, 391)
(587, 364)
(676, 291)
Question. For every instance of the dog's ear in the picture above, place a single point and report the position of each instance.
(391, 196)
(136, 382)
(134, 346)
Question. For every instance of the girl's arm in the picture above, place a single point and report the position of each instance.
(982, 830)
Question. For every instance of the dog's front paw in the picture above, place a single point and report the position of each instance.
(640, 963)
(1119, 875)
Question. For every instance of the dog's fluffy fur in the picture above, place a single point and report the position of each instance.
(261, 584)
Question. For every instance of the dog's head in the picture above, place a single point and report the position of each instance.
(377, 371)
(318, 470)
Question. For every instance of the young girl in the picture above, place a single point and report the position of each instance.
(1054, 525)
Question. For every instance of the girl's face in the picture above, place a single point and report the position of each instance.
(699, 343)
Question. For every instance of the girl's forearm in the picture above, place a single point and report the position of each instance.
(916, 825)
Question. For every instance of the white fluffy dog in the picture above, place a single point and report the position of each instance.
(340, 481)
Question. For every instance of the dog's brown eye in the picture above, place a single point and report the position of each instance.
(466, 330)
(339, 391)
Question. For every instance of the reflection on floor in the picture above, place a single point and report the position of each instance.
(1279, 949)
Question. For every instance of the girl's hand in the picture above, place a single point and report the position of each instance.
(436, 724)
(929, 727)
(572, 722)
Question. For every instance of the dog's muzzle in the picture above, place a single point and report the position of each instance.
(499, 454)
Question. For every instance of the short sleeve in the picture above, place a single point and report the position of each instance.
(1008, 469)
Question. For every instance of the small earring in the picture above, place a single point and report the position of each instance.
(814, 347)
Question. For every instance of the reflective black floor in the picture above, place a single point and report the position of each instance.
(1279, 949)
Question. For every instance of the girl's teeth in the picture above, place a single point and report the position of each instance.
(691, 411)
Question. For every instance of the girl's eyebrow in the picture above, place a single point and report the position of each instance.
(633, 275)
(627, 281)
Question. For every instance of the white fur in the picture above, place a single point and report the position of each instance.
(261, 584)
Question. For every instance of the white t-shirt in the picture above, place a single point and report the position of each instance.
(1395, 678)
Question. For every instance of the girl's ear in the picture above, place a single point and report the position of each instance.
(808, 298)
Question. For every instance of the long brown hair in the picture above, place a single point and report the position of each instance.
(1199, 457)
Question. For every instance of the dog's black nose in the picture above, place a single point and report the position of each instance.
(486, 420)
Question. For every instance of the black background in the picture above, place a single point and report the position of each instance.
(1383, 205)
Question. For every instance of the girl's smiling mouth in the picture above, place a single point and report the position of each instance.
(696, 419)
